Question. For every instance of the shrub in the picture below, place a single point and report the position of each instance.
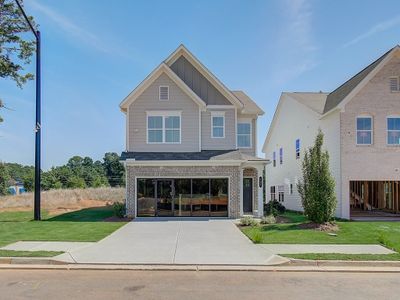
(248, 221)
(274, 207)
(119, 209)
(317, 188)
(257, 237)
(270, 219)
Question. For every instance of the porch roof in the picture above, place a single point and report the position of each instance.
(204, 155)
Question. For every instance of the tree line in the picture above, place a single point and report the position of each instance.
(79, 172)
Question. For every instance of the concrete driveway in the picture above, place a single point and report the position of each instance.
(175, 241)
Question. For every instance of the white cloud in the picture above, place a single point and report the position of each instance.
(76, 31)
(296, 41)
(380, 27)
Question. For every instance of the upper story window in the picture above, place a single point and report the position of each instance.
(218, 124)
(163, 93)
(364, 130)
(274, 159)
(281, 156)
(244, 134)
(272, 193)
(164, 127)
(394, 84)
(393, 130)
(297, 148)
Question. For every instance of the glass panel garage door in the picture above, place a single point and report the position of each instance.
(182, 197)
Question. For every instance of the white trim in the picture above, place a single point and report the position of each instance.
(183, 51)
(200, 130)
(159, 92)
(245, 121)
(387, 130)
(127, 131)
(217, 114)
(365, 116)
(212, 106)
(161, 69)
(164, 115)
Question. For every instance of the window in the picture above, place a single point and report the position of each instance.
(172, 129)
(218, 125)
(291, 189)
(393, 130)
(272, 192)
(281, 193)
(163, 93)
(394, 84)
(297, 148)
(155, 129)
(364, 130)
(244, 135)
(164, 128)
(274, 159)
(281, 156)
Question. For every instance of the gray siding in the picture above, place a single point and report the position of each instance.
(178, 100)
(227, 143)
(198, 83)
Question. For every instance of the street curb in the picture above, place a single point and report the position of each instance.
(294, 265)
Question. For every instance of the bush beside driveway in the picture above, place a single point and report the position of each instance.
(293, 232)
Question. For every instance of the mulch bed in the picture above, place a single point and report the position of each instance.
(326, 227)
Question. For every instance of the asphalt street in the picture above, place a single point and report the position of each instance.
(91, 284)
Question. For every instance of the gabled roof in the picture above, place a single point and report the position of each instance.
(250, 107)
(338, 95)
(162, 68)
(315, 101)
(183, 51)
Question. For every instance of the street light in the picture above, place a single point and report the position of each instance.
(38, 123)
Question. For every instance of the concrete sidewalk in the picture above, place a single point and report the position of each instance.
(326, 248)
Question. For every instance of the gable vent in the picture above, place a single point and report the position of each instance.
(164, 93)
(394, 84)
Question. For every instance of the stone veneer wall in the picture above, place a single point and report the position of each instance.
(233, 173)
(250, 172)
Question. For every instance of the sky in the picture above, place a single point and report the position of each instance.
(95, 52)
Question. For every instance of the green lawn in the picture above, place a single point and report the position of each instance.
(385, 233)
(85, 225)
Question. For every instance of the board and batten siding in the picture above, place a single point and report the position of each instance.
(226, 143)
(149, 101)
(198, 83)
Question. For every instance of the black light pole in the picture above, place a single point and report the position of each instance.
(38, 117)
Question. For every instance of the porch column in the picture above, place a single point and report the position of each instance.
(260, 194)
(241, 190)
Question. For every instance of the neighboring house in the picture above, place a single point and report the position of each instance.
(361, 123)
(16, 188)
(191, 144)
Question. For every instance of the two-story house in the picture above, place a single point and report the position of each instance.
(361, 124)
(191, 144)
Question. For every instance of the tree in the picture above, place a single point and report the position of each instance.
(317, 188)
(114, 169)
(15, 50)
(4, 179)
